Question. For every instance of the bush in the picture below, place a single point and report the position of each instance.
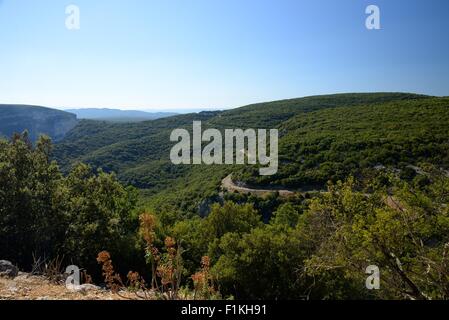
(45, 214)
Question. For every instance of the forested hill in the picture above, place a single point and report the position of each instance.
(139, 152)
(328, 145)
(37, 120)
(132, 149)
(388, 208)
(271, 114)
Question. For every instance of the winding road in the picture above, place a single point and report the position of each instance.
(229, 185)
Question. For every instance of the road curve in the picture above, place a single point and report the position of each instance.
(229, 185)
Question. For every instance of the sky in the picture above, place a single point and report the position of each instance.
(209, 54)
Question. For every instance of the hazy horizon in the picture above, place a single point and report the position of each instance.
(174, 110)
(193, 110)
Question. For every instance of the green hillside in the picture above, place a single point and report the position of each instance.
(272, 114)
(331, 144)
(139, 153)
(388, 209)
(37, 120)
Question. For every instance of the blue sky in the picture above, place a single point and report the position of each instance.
(169, 54)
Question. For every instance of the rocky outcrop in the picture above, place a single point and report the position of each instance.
(36, 120)
(82, 288)
(7, 269)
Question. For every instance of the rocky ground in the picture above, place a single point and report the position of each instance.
(29, 287)
(15, 285)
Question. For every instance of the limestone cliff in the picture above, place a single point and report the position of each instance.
(37, 120)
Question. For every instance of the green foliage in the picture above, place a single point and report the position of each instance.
(288, 215)
(272, 114)
(250, 259)
(322, 252)
(30, 193)
(405, 235)
(46, 214)
(191, 193)
(260, 264)
(139, 152)
(100, 210)
(230, 218)
(266, 205)
(310, 246)
(190, 235)
(334, 143)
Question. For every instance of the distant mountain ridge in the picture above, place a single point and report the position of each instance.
(37, 120)
(117, 115)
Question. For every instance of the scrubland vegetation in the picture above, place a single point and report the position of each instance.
(381, 160)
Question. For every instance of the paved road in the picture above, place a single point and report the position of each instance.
(230, 186)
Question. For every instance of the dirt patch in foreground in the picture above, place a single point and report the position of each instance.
(28, 287)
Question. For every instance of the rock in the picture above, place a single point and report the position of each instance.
(7, 269)
(82, 288)
(54, 123)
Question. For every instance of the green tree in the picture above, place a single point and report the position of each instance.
(99, 209)
(404, 232)
(49, 215)
(230, 217)
(31, 220)
(287, 214)
(261, 264)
